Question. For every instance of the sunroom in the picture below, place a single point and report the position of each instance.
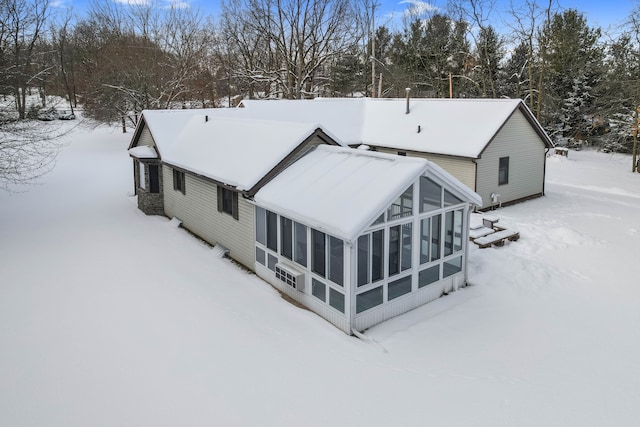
(359, 237)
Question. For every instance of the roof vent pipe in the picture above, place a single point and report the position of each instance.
(206, 119)
(408, 92)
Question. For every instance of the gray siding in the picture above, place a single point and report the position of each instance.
(198, 211)
(464, 170)
(526, 151)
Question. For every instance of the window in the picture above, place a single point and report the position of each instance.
(425, 240)
(336, 260)
(399, 248)
(435, 237)
(377, 255)
(503, 171)
(319, 290)
(154, 179)
(272, 231)
(399, 287)
(336, 300)
(286, 237)
(260, 256)
(228, 201)
(261, 225)
(452, 266)
(429, 276)
(301, 244)
(369, 299)
(272, 261)
(179, 181)
(450, 199)
(363, 259)
(141, 177)
(403, 206)
(370, 258)
(318, 252)
(430, 195)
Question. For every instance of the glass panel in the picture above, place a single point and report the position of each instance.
(261, 227)
(319, 290)
(141, 179)
(286, 237)
(154, 179)
(435, 237)
(377, 255)
(272, 262)
(405, 262)
(336, 300)
(369, 299)
(399, 288)
(430, 195)
(452, 266)
(272, 231)
(448, 233)
(403, 206)
(394, 250)
(428, 276)
(380, 219)
(301, 244)
(260, 256)
(457, 230)
(336, 260)
(363, 260)
(227, 201)
(450, 199)
(318, 254)
(425, 228)
(503, 171)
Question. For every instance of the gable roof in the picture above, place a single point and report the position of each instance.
(342, 191)
(233, 151)
(455, 127)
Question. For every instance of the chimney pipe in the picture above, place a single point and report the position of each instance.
(408, 92)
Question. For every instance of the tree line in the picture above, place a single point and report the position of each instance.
(119, 58)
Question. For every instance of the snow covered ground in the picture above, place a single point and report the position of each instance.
(109, 317)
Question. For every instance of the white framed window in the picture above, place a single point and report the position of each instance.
(141, 176)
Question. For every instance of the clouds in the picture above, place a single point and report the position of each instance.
(167, 4)
(418, 8)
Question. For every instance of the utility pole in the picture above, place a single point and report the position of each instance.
(636, 120)
(373, 49)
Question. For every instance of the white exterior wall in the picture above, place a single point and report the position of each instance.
(417, 296)
(526, 151)
(464, 170)
(145, 137)
(349, 320)
(198, 211)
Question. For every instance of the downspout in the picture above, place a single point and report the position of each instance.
(544, 169)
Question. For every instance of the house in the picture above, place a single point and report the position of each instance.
(204, 170)
(495, 147)
(354, 235)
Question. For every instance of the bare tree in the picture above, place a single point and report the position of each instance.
(23, 24)
(301, 37)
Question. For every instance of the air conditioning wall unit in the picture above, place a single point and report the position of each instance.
(290, 276)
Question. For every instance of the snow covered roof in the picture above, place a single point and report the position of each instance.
(457, 127)
(233, 151)
(342, 191)
(143, 152)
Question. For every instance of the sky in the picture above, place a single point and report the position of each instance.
(606, 14)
